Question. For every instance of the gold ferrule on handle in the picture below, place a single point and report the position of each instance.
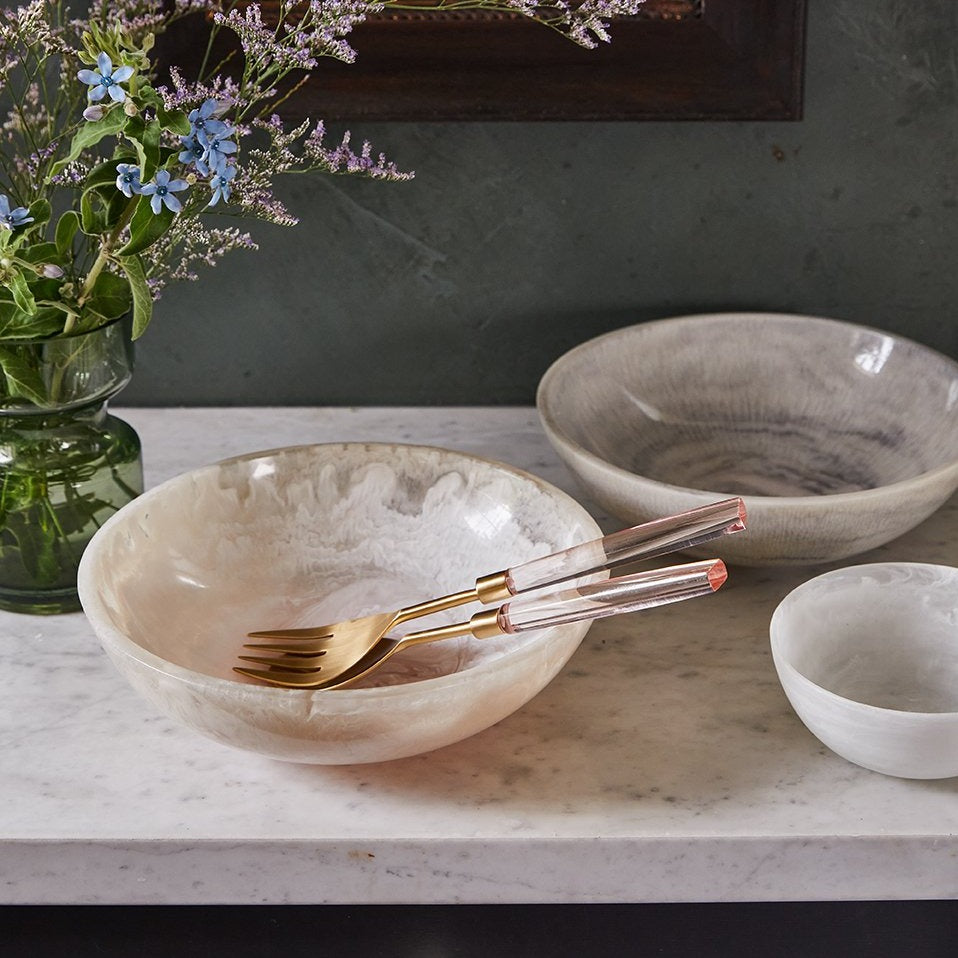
(496, 587)
(487, 624)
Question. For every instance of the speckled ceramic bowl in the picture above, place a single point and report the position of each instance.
(172, 583)
(868, 657)
(839, 438)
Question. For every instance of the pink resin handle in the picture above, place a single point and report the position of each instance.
(627, 593)
(646, 541)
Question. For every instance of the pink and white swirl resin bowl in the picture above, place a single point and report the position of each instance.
(314, 534)
(839, 437)
(868, 657)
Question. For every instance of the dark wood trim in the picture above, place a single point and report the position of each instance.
(736, 60)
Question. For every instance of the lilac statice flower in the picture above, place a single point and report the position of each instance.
(161, 189)
(220, 184)
(12, 218)
(221, 89)
(188, 244)
(261, 43)
(203, 123)
(342, 158)
(105, 79)
(194, 153)
(128, 179)
(73, 174)
(135, 18)
(27, 27)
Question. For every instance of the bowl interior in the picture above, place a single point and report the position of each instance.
(313, 534)
(884, 635)
(758, 404)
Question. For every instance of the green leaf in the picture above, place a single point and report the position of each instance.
(145, 138)
(92, 220)
(116, 208)
(67, 227)
(110, 296)
(22, 379)
(141, 160)
(17, 324)
(149, 96)
(17, 284)
(40, 253)
(142, 297)
(40, 211)
(174, 120)
(90, 134)
(10, 315)
(146, 227)
(101, 203)
(103, 174)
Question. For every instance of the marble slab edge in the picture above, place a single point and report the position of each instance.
(476, 871)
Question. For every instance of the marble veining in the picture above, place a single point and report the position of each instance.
(663, 763)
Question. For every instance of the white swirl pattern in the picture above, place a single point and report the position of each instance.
(314, 534)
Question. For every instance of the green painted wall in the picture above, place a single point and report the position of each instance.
(517, 241)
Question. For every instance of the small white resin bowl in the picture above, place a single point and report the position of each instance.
(868, 657)
(313, 534)
(839, 437)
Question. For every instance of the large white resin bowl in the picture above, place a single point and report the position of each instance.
(868, 657)
(839, 437)
(314, 534)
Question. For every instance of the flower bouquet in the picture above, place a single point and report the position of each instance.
(114, 181)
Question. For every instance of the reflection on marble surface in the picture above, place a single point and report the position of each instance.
(663, 763)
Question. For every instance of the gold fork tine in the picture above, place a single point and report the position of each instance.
(297, 664)
(283, 679)
(280, 647)
(319, 632)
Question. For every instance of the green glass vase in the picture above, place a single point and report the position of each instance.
(66, 464)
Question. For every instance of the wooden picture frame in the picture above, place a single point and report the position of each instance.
(684, 60)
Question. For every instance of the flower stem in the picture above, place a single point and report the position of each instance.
(106, 250)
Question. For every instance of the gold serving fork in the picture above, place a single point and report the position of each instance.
(300, 667)
(337, 653)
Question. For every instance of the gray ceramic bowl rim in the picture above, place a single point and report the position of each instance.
(783, 664)
(824, 501)
(109, 635)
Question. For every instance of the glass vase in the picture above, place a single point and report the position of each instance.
(66, 464)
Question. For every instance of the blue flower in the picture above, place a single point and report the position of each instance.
(220, 184)
(194, 152)
(202, 124)
(11, 219)
(105, 79)
(217, 149)
(162, 189)
(128, 181)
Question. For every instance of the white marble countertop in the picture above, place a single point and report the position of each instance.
(663, 764)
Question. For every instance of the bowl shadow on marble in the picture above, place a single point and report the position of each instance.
(839, 437)
(308, 534)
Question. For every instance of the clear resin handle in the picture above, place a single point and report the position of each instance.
(646, 541)
(627, 593)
